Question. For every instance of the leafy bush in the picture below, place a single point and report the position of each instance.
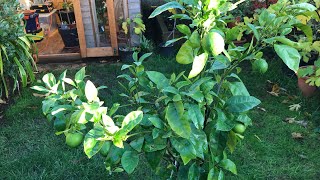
(190, 121)
(16, 61)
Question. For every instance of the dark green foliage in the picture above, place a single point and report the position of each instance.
(16, 61)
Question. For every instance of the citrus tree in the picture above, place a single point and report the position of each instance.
(190, 121)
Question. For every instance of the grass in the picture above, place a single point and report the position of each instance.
(30, 150)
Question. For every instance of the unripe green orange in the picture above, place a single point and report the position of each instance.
(239, 128)
(260, 65)
(74, 139)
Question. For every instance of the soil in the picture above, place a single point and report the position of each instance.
(43, 68)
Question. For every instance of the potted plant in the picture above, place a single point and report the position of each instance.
(309, 78)
(167, 26)
(68, 29)
(126, 50)
(66, 13)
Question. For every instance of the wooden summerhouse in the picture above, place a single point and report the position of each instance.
(95, 23)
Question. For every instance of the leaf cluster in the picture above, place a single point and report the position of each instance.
(16, 62)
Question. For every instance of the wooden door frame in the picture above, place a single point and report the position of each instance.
(97, 51)
(80, 28)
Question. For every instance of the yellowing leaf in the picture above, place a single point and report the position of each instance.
(303, 19)
(125, 27)
(91, 91)
(198, 64)
(316, 46)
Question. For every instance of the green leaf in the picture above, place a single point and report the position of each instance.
(223, 122)
(91, 144)
(245, 119)
(241, 103)
(137, 144)
(194, 172)
(183, 173)
(154, 158)
(221, 62)
(49, 80)
(307, 30)
(171, 89)
(174, 40)
(232, 141)
(199, 63)
(194, 39)
(185, 148)
(158, 78)
(196, 95)
(198, 83)
(255, 32)
(60, 108)
(91, 91)
(165, 7)
(80, 75)
(113, 109)
(184, 29)
(152, 145)
(199, 141)
(22, 72)
(47, 105)
(180, 16)
(196, 116)
(289, 56)
(305, 71)
(185, 53)
(114, 155)
(79, 116)
(213, 174)
(266, 17)
(69, 81)
(238, 89)
(118, 170)
(177, 122)
(227, 164)
(129, 122)
(303, 6)
(156, 121)
(129, 161)
(155, 133)
(40, 88)
(144, 56)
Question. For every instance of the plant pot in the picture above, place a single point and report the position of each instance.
(167, 51)
(125, 55)
(66, 16)
(69, 36)
(305, 88)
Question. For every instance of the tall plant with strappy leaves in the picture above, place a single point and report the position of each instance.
(16, 61)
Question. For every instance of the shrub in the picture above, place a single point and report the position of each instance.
(16, 61)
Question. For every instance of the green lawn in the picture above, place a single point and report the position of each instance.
(29, 148)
